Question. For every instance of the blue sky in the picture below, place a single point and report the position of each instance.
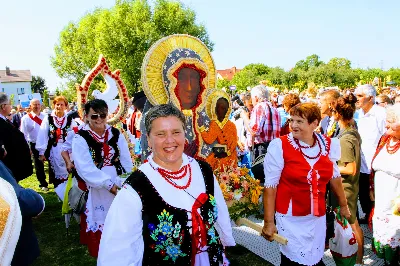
(276, 33)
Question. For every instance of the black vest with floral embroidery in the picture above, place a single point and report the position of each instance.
(167, 239)
(95, 149)
(53, 134)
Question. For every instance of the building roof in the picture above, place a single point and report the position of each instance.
(228, 74)
(15, 76)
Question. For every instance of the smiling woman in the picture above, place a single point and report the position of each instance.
(297, 168)
(169, 195)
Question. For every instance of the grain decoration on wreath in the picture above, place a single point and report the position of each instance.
(102, 68)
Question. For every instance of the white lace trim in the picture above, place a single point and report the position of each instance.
(325, 145)
(271, 185)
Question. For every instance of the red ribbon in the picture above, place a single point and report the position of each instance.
(106, 148)
(314, 188)
(199, 232)
(58, 133)
(36, 119)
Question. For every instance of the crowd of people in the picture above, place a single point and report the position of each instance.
(341, 145)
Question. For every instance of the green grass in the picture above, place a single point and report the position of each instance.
(59, 249)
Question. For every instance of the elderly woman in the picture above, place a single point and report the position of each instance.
(100, 154)
(288, 102)
(350, 161)
(297, 168)
(52, 134)
(386, 189)
(171, 211)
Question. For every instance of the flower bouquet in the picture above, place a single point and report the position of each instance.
(241, 191)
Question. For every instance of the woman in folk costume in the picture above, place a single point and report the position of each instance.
(179, 69)
(100, 154)
(222, 132)
(297, 168)
(171, 211)
(52, 134)
(385, 188)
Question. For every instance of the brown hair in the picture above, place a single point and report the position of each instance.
(384, 98)
(309, 111)
(59, 99)
(346, 106)
(291, 100)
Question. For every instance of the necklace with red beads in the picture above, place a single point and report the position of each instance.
(307, 147)
(394, 148)
(58, 121)
(181, 173)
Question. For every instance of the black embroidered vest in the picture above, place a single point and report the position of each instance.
(167, 239)
(53, 133)
(96, 148)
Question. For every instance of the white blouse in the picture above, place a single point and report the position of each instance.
(99, 182)
(43, 135)
(122, 239)
(305, 246)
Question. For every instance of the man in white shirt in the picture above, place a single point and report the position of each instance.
(371, 126)
(30, 125)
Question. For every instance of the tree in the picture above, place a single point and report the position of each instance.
(12, 97)
(38, 85)
(311, 61)
(123, 34)
(339, 63)
(46, 98)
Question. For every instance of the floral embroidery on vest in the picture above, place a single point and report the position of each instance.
(168, 237)
(212, 218)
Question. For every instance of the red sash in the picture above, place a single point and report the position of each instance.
(36, 119)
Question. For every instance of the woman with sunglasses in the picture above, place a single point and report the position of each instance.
(100, 154)
(52, 134)
(350, 162)
(297, 168)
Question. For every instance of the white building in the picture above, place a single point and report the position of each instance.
(17, 82)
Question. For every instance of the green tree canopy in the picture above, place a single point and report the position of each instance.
(38, 85)
(123, 34)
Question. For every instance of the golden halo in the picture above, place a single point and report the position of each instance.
(83, 89)
(211, 103)
(152, 68)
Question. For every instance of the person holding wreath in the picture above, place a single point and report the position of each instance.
(297, 168)
(170, 211)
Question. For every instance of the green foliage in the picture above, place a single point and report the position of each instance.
(337, 72)
(12, 97)
(46, 98)
(38, 85)
(123, 34)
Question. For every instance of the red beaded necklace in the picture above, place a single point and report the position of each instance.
(307, 147)
(392, 149)
(59, 122)
(181, 173)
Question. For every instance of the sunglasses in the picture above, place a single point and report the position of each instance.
(96, 116)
